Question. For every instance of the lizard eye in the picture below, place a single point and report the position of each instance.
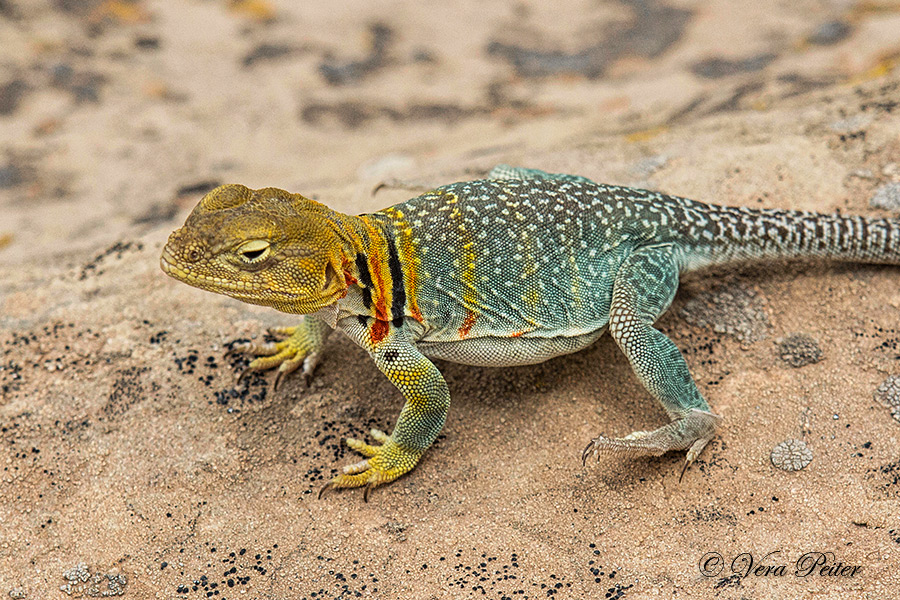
(254, 251)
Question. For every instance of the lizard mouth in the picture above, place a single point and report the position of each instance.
(253, 293)
(217, 284)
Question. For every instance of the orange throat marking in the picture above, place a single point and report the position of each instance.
(378, 331)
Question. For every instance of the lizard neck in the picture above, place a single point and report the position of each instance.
(380, 261)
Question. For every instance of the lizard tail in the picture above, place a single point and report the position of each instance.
(727, 234)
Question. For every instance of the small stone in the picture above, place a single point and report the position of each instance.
(799, 350)
(887, 197)
(17, 594)
(791, 455)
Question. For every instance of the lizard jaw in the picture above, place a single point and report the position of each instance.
(251, 293)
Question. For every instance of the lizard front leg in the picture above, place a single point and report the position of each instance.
(427, 400)
(301, 346)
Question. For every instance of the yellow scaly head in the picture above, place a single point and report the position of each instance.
(264, 246)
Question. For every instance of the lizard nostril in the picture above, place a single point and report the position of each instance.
(193, 256)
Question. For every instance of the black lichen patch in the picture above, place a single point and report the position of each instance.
(51, 348)
(82, 86)
(229, 574)
(156, 214)
(128, 390)
(198, 188)
(617, 591)
(117, 251)
(343, 73)
(12, 93)
(654, 28)
(353, 114)
(889, 476)
(881, 100)
(884, 341)
(479, 575)
(158, 337)
(717, 68)
(714, 458)
(10, 377)
(253, 389)
(349, 580)
(186, 364)
(268, 51)
(830, 33)
(712, 515)
(603, 576)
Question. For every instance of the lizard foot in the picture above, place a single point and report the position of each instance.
(386, 462)
(691, 432)
(294, 350)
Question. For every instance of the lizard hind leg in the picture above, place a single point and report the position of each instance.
(644, 287)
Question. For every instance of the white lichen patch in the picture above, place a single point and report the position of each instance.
(82, 583)
(888, 393)
(791, 455)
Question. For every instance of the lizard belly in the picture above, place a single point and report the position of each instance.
(507, 351)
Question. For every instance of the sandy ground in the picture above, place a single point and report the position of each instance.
(131, 462)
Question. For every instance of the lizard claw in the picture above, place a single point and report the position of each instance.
(244, 374)
(324, 489)
(588, 450)
(278, 378)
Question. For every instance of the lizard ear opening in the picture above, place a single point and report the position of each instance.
(330, 276)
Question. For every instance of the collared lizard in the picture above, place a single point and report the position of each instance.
(514, 269)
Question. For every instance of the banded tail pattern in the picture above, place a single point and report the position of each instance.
(720, 234)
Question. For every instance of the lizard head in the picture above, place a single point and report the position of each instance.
(264, 246)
